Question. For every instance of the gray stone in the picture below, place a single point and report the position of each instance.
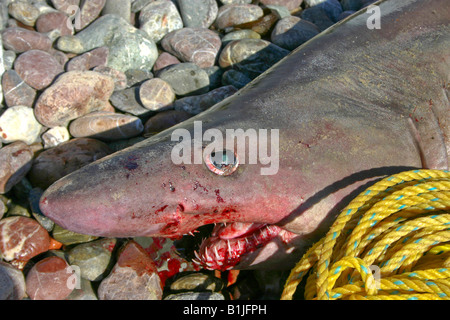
(186, 79)
(129, 48)
(240, 34)
(198, 13)
(12, 283)
(55, 136)
(197, 281)
(68, 237)
(8, 58)
(120, 8)
(2, 67)
(127, 100)
(158, 18)
(24, 11)
(137, 76)
(92, 258)
(318, 16)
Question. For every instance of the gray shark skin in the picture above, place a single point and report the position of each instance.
(351, 105)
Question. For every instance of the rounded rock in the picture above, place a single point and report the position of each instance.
(74, 93)
(163, 120)
(156, 94)
(290, 4)
(231, 15)
(15, 162)
(186, 79)
(290, 32)
(12, 283)
(198, 13)
(55, 136)
(51, 21)
(37, 68)
(89, 60)
(127, 101)
(165, 59)
(18, 123)
(106, 126)
(22, 238)
(93, 257)
(16, 91)
(20, 40)
(24, 12)
(134, 277)
(49, 279)
(158, 18)
(196, 45)
(53, 164)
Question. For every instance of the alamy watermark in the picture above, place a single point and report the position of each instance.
(374, 21)
(226, 153)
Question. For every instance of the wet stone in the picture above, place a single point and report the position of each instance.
(24, 11)
(134, 277)
(51, 21)
(53, 164)
(89, 60)
(130, 48)
(158, 18)
(22, 238)
(128, 101)
(196, 104)
(106, 126)
(92, 258)
(74, 94)
(55, 136)
(163, 120)
(198, 13)
(196, 45)
(235, 78)
(186, 79)
(196, 296)
(15, 162)
(21, 40)
(289, 4)
(156, 94)
(290, 32)
(67, 237)
(251, 56)
(12, 283)
(37, 68)
(49, 279)
(318, 17)
(16, 92)
(165, 59)
(235, 14)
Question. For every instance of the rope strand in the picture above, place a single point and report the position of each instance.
(391, 242)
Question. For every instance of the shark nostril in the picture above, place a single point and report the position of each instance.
(222, 163)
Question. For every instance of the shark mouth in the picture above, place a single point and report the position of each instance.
(228, 242)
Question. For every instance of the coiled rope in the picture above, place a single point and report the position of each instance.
(391, 242)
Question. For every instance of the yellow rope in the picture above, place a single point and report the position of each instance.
(391, 242)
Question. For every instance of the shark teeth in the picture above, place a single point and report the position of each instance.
(216, 253)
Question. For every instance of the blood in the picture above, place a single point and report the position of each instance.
(161, 209)
(218, 197)
(131, 163)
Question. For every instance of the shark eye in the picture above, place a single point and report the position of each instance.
(223, 162)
